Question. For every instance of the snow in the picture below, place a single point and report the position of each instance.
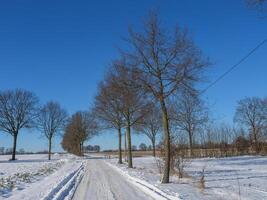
(70, 177)
(102, 182)
(146, 187)
(34, 177)
(226, 178)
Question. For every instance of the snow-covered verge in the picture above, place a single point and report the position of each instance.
(34, 177)
(226, 178)
(146, 187)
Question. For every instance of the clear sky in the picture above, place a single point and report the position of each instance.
(60, 50)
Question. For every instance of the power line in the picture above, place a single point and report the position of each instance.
(234, 66)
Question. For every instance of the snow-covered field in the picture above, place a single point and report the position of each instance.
(34, 177)
(226, 178)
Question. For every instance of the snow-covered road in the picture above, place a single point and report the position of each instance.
(102, 182)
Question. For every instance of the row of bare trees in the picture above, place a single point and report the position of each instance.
(151, 89)
(251, 113)
(248, 134)
(80, 127)
(20, 109)
(158, 65)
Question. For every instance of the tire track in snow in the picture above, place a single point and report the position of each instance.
(66, 188)
(102, 182)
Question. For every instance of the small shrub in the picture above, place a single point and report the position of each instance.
(160, 164)
(202, 181)
(180, 163)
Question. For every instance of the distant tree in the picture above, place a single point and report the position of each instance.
(241, 143)
(69, 142)
(97, 148)
(108, 109)
(89, 148)
(225, 135)
(264, 102)
(250, 112)
(190, 115)
(143, 147)
(17, 111)
(9, 151)
(51, 120)
(2, 150)
(81, 127)
(134, 148)
(151, 125)
(166, 62)
(21, 151)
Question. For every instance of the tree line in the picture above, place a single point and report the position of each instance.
(20, 109)
(140, 87)
(80, 128)
(152, 88)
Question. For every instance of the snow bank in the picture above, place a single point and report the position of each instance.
(34, 177)
(151, 190)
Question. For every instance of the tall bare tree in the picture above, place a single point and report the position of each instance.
(108, 109)
(190, 115)
(134, 105)
(151, 125)
(167, 62)
(51, 120)
(250, 113)
(17, 111)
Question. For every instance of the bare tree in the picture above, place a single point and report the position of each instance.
(250, 113)
(190, 115)
(17, 111)
(81, 127)
(70, 142)
(108, 109)
(143, 147)
(151, 125)
(167, 63)
(134, 105)
(225, 135)
(51, 120)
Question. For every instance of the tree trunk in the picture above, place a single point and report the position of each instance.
(167, 145)
(128, 130)
(120, 154)
(190, 145)
(125, 147)
(257, 149)
(81, 149)
(49, 148)
(14, 146)
(154, 147)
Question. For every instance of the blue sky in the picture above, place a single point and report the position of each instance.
(60, 50)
